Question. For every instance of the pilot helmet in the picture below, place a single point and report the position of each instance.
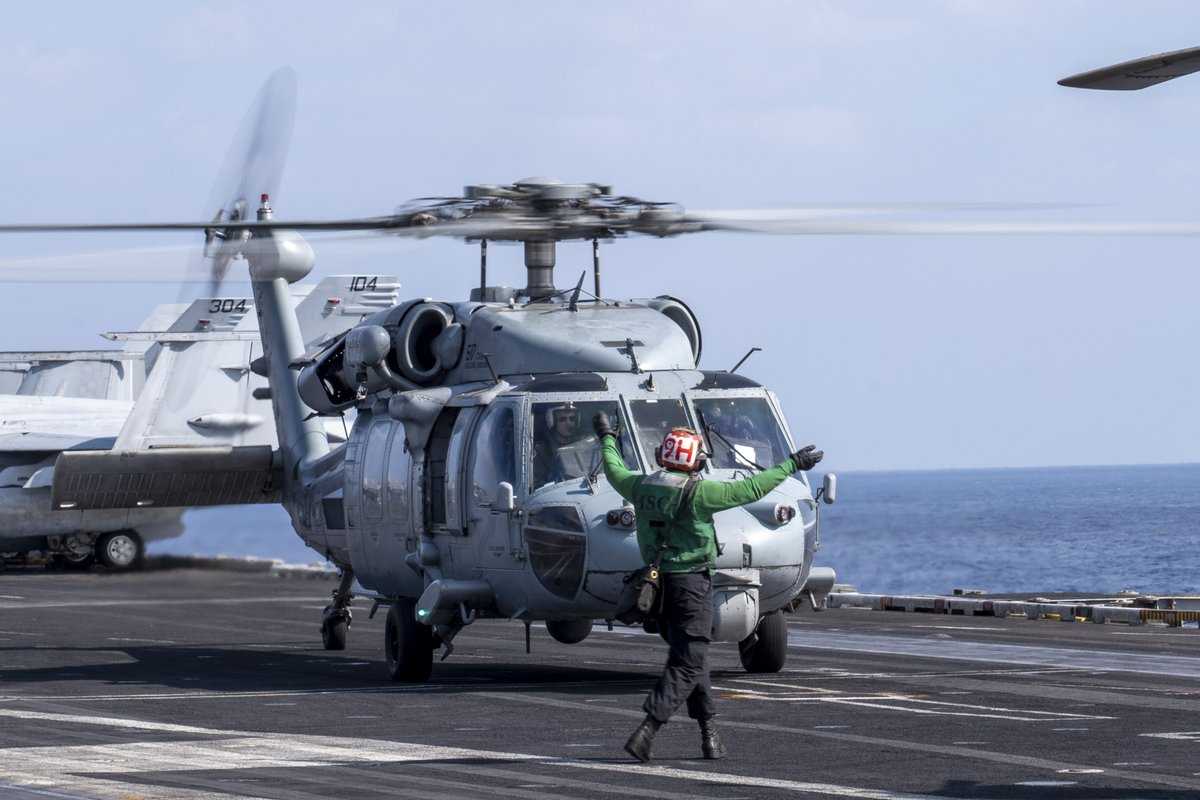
(553, 413)
(681, 449)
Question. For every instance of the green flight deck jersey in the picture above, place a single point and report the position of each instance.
(692, 546)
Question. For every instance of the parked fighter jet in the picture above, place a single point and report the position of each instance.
(199, 391)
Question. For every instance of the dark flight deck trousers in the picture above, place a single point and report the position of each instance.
(687, 615)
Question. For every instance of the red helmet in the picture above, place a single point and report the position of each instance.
(681, 449)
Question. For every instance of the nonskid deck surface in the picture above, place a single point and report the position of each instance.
(203, 684)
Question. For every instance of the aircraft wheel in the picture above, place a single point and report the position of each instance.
(766, 649)
(569, 631)
(120, 550)
(333, 632)
(407, 644)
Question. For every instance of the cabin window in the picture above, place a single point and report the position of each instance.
(335, 513)
(494, 460)
(399, 466)
(743, 432)
(373, 469)
(564, 444)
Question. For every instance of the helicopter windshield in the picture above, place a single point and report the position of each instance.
(564, 445)
(742, 432)
(653, 419)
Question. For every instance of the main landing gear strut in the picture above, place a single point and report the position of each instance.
(335, 620)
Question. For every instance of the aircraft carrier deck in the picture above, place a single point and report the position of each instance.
(187, 683)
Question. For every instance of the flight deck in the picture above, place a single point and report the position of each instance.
(200, 683)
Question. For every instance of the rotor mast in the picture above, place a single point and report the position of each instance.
(538, 212)
(539, 269)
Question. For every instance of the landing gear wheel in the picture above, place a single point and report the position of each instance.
(407, 644)
(569, 631)
(333, 631)
(765, 650)
(120, 550)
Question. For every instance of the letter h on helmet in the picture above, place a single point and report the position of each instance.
(681, 449)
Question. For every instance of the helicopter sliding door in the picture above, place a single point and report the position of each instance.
(380, 514)
(492, 462)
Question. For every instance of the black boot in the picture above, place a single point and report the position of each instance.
(639, 743)
(710, 741)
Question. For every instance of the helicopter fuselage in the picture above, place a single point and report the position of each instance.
(480, 490)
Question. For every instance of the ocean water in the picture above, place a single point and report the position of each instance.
(1086, 529)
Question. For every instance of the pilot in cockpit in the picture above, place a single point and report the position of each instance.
(562, 446)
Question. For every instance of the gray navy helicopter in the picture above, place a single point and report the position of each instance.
(470, 485)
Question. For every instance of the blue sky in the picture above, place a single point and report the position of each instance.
(890, 353)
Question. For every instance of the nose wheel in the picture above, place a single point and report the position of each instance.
(407, 644)
(765, 650)
(334, 629)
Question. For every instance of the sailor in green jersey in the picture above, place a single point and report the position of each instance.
(688, 561)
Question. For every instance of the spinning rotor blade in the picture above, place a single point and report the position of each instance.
(516, 228)
(253, 167)
(800, 227)
(544, 210)
(1138, 73)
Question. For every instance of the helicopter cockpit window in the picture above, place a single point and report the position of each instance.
(742, 432)
(493, 457)
(653, 419)
(564, 446)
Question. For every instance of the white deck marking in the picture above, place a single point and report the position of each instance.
(1191, 736)
(895, 701)
(1064, 657)
(967, 754)
(205, 601)
(234, 750)
(1013, 715)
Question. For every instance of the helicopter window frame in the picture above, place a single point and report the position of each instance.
(759, 393)
(628, 446)
(397, 479)
(374, 468)
(516, 409)
(456, 461)
(648, 447)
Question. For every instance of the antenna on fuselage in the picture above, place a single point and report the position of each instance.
(574, 303)
(752, 351)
